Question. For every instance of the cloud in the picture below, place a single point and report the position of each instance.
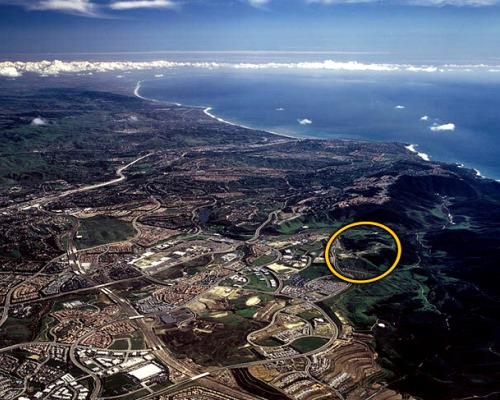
(400, 107)
(304, 121)
(424, 118)
(258, 3)
(76, 6)
(55, 67)
(348, 66)
(422, 69)
(95, 8)
(130, 4)
(10, 72)
(39, 121)
(340, 1)
(445, 127)
(89, 8)
(327, 65)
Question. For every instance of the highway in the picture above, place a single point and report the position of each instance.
(151, 338)
(39, 202)
(270, 217)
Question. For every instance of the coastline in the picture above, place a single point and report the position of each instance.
(136, 94)
(426, 157)
(412, 148)
(207, 111)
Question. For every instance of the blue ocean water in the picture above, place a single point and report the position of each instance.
(412, 108)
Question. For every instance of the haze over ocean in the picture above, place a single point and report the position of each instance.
(450, 116)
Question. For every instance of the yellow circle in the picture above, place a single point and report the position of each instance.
(361, 281)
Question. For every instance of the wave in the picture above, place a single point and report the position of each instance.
(137, 94)
(412, 148)
(15, 69)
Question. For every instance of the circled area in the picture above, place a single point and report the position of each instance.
(352, 225)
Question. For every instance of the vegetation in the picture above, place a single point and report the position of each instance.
(264, 260)
(101, 230)
(255, 283)
(307, 344)
(118, 384)
(310, 315)
(90, 134)
(120, 344)
(315, 270)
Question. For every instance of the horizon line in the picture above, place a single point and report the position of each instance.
(209, 52)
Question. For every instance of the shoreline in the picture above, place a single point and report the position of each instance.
(412, 148)
(207, 111)
(136, 94)
(426, 157)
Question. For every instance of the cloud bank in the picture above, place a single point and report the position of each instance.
(47, 68)
(9, 71)
(304, 121)
(444, 127)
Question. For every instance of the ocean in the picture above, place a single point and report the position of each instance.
(447, 116)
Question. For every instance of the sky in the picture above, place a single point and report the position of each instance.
(389, 30)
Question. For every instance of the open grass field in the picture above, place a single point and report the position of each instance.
(255, 283)
(315, 270)
(307, 344)
(100, 230)
(264, 260)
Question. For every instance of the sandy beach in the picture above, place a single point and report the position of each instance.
(206, 111)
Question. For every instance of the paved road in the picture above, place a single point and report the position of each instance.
(151, 337)
(39, 202)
